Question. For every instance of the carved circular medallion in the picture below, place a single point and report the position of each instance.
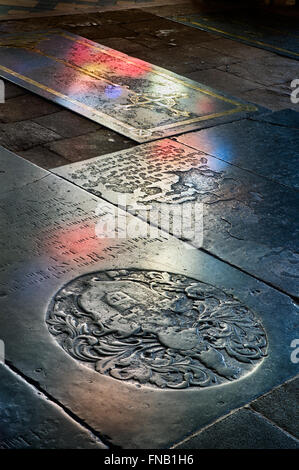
(156, 328)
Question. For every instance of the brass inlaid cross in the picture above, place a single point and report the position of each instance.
(164, 101)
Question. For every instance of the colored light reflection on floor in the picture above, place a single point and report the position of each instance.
(85, 76)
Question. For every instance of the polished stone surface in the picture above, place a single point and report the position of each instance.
(29, 420)
(248, 221)
(262, 147)
(55, 242)
(16, 172)
(133, 97)
(275, 33)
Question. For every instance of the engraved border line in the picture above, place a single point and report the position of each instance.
(239, 107)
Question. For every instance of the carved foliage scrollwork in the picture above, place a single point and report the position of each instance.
(156, 328)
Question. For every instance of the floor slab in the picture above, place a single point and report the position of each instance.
(248, 220)
(15, 172)
(280, 406)
(285, 118)
(264, 148)
(29, 420)
(26, 8)
(23, 135)
(275, 97)
(43, 157)
(271, 32)
(135, 98)
(28, 106)
(241, 430)
(108, 326)
(266, 71)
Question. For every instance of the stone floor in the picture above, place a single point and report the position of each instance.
(28, 8)
(49, 136)
(19, 8)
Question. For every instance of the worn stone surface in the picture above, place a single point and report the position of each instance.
(241, 430)
(166, 10)
(286, 117)
(67, 124)
(27, 8)
(78, 148)
(267, 70)
(127, 46)
(149, 41)
(62, 240)
(275, 97)
(22, 108)
(158, 25)
(15, 172)
(11, 90)
(132, 97)
(24, 135)
(236, 49)
(248, 221)
(170, 53)
(170, 33)
(275, 33)
(223, 81)
(141, 400)
(43, 157)
(74, 20)
(261, 147)
(193, 58)
(28, 420)
(175, 60)
(281, 406)
(132, 14)
(99, 31)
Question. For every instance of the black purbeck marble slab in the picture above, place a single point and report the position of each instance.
(248, 221)
(28, 420)
(144, 339)
(265, 148)
(128, 95)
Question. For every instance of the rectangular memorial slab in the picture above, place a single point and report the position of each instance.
(145, 340)
(265, 146)
(28, 420)
(133, 97)
(244, 219)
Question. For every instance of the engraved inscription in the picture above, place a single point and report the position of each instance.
(239, 210)
(167, 172)
(156, 328)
